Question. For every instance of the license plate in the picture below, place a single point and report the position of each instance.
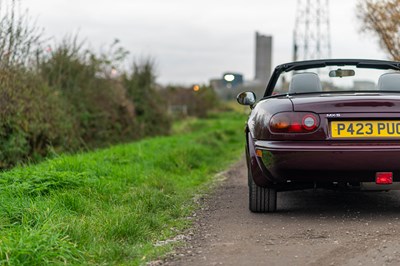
(365, 129)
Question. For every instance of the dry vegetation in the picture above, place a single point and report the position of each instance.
(382, 19)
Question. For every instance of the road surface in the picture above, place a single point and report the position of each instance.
(319, 227)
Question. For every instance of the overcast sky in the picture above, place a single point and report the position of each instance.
(193, 41)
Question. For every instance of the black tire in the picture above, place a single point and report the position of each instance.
(261, 199)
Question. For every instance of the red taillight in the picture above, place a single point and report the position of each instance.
(384, 178)
(294, 122)
(295, 127)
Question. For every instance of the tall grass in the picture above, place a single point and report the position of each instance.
(111, 206)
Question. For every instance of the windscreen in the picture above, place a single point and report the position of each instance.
(337, 79)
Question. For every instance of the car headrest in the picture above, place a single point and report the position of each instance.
(305, 82)
(389, 82)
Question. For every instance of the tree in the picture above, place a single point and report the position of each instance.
(382, 18)
(150, 104)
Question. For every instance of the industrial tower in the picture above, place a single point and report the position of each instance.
(311, 36)
(263, 59)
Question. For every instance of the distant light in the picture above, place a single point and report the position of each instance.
(196, 87)
(114, 72)
(229, 77)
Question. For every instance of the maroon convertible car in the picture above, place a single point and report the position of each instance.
(324, 124)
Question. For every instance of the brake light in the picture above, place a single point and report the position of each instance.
(294, 122)
(384, 178)
(295, 127)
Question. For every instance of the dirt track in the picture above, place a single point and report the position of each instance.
(310, 228)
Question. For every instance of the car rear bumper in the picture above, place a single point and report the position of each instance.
(326, 161)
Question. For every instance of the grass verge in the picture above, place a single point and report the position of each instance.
(112, 205)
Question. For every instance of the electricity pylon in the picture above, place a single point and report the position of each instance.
(311, 36)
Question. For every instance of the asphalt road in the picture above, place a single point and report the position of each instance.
(319, 227)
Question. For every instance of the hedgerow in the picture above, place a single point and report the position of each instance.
(62, 97)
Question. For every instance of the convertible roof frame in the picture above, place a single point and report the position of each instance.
(301, 65)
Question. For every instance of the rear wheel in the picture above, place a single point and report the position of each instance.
(261, 199)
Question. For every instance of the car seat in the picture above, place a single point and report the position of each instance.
(389, 82)
(305, 82)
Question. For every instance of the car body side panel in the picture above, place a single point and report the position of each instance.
(262, 113)
(259, 173)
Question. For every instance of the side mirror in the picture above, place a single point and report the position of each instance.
(246, 98)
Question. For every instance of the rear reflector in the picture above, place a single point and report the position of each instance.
(259, 153)
(384, 178)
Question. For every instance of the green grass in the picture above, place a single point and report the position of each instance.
(111, 206)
